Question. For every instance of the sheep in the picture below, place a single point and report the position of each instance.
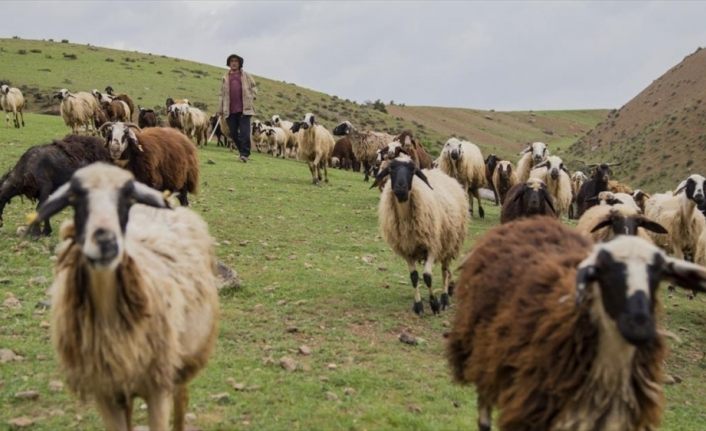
(679, 215)
(161, 157)
(290, 141)
(504, 178)
(490, 163)
(77, 109)
(315, 147)
(277, 141)
(124, 97)
(610, 198)
(534, 154)
(195, 123)
(618, 187)
(415, 150)
(12, 100)
(463, 160)
(217, 130)
(603, 222)
(577, 180)
(528, 199)
(598, 183)
(640, 198)
(134, 310)
(259, 137)
(342, 156)
(422, 222)
(116, 110)
(173, 112)
(44, 168)
(556, 177)
(560, 334)
(146, 118)
(365, 144)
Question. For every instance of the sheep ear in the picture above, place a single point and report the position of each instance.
(541, 165)
(148, 196)
(311, 120)
(584, 275)
(380, 176)
(680, 189)
(133, 140)
(685, 274)
(423, 177)
(56, 202)
(526, 150)
(519, 194)
(603, 223)
(650, 225)
(548, 200)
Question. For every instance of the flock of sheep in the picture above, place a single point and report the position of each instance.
(556, 326)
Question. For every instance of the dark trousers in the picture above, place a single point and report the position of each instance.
(239, 126)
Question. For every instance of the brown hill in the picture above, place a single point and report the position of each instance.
(659, 135)
(503, 133)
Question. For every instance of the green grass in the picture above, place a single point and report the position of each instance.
(299, 250)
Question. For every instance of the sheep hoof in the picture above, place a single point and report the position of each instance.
(445, 301)
(481, 213)
(434, 303)
(418, 308)
(452, 287)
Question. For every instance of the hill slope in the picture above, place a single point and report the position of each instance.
(658, 135)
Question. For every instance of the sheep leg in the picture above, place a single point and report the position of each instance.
(475, 193)
(366, 170)
(446, 276)
(158, 409)
(181, 401)
(113, 412)
(183, 199)
(317, 165)
(312, 169)
(418, 307)
(22, 115)
(325, 172)
(433, 302)
(485, 411)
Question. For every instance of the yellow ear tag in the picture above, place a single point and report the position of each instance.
(31, 217)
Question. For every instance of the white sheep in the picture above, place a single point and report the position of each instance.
(290, 140)
(276, 139)
(195, 123)
(77, 109)
(610, 198)
(577, 180)
(315, 147)
(134, 298)
(603, 222)
(679, 215)
(12, 101)
(534, 154)
(556, 177)
(422, 219)
(463, 160)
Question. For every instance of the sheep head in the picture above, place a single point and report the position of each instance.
(276, 120)
(539, 151)
(101, 196)
(453, 148)
(4, 88)
(504, 168)
(554, 165)
(402, 172)
(622, 276)
(343, 129)
(308, 122)
(694, 188)
(109, 90)
(119, 137)
(62, 94)
(623, 220)
(534, 196)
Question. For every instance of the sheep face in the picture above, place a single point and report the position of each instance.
(4, 89)
(453, 149)
(622, 276)
(553, 164)
(694, 188)
(309, 120)
(491, 162)
(118, 138)
(62, 94)
(401, 172)
(109, 90)
(621, 224)
(343, 129)
(534, 197)
(538, 150)
(276, 120)
(504, 169)
(101, 196)
(297, 126)
(602, 173)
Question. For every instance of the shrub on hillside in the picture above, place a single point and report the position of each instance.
(70, 56)
(22, 51)
(64, 41)
(109, 60)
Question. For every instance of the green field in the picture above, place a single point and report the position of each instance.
(315, 272)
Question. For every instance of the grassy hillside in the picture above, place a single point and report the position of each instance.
(504, 133)
(659, 134)
(40, 68)
(315, 272)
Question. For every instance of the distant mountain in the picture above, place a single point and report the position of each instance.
(659, 135)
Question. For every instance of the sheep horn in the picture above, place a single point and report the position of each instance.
(685, 274)
(56, 202)
(107, 123)
(134, 126)
(614, 164)
(148, 196)
(650, 225)
(378, 178)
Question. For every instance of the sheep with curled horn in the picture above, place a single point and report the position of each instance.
(561, 334)
(422, 216)
(134, 307)
(161, 157)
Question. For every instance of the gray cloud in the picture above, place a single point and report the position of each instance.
(501, 55)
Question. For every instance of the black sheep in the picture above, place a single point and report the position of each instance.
(42, 169)
(527, 199)
(598, 183)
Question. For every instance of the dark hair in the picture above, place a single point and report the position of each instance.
(236, 56)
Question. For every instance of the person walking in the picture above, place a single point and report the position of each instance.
(236, 105)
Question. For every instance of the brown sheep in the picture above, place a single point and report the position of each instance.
(116, 110)
(342, 156)
(490, 163)
(527, 199)
(560, 334)
(504, 178)
(414, 149)
(161, 157)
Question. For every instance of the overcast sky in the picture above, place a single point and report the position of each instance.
(499, 55)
